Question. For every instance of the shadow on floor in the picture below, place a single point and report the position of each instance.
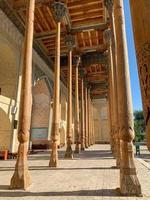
(101, 192)
(84, 155)
(58, 168)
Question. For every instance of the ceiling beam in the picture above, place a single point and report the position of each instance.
(22, 4)
(101, 96)
(102, 85)
(94, 58)
(49, 34)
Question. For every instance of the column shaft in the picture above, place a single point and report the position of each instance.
(93, 135)
(21, 178)
(113, 49)
(82, 117)
(88, 110)
(141, 28)
(91, 121)
(86, 118)
(59, 11)
(112, 141)
(69, 152)
(109, 6)
(129, 184)
(56, 114)
(116, 139)
(77, 139)
(115, 96)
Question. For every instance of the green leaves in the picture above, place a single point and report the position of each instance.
(139, 126)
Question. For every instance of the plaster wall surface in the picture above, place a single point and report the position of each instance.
(11, 63)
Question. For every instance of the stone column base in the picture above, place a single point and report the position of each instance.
(54, 155)
(69, 152)
(77, 149)
(129, 185)
(21, 177)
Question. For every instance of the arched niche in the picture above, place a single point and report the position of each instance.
(40, 114)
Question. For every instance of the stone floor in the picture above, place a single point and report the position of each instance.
(89, 176)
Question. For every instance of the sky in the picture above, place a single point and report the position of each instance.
(135, 87)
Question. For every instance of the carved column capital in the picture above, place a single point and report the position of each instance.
(82, 73)
(107, 36)
(76, 60)
(109, 5)
(70, 42)
(85, 82)
(59, 10)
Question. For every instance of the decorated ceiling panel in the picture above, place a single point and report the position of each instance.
(86, 20)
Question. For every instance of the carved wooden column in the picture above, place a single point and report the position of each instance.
(77, 139)
(88, 110)
(91, 122)
(82, 117)
(70, 42)
(113, 99)
(59, 10)
(90, 119)
(86, 116)
(21, 178)
(141, 28)
(129, 183)
(93, 136)
(111, 118)
(110, 8)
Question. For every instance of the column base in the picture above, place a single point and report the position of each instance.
(130, 185)
(77, 149)
(21, 178)
(82, 147)
(54, 155)
(69, 152)
(117, 163)
(117, 147)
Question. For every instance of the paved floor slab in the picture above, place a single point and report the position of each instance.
(89, 176)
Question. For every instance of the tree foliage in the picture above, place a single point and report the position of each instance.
(139, 125)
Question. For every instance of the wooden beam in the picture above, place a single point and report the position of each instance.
(94, 58)
(52, 33)
(79, 3)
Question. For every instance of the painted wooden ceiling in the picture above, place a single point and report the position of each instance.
(85, 19)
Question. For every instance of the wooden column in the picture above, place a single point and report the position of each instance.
(82, 117)
(21, 178)
(91, 122)
(77, 136)
(129, 183)
(90, 119)
(93, 135)
(140, 12)
(70, 41)
(111, 112)
(109, 6)
(86, 117)
(58, 11)
(88, 110)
